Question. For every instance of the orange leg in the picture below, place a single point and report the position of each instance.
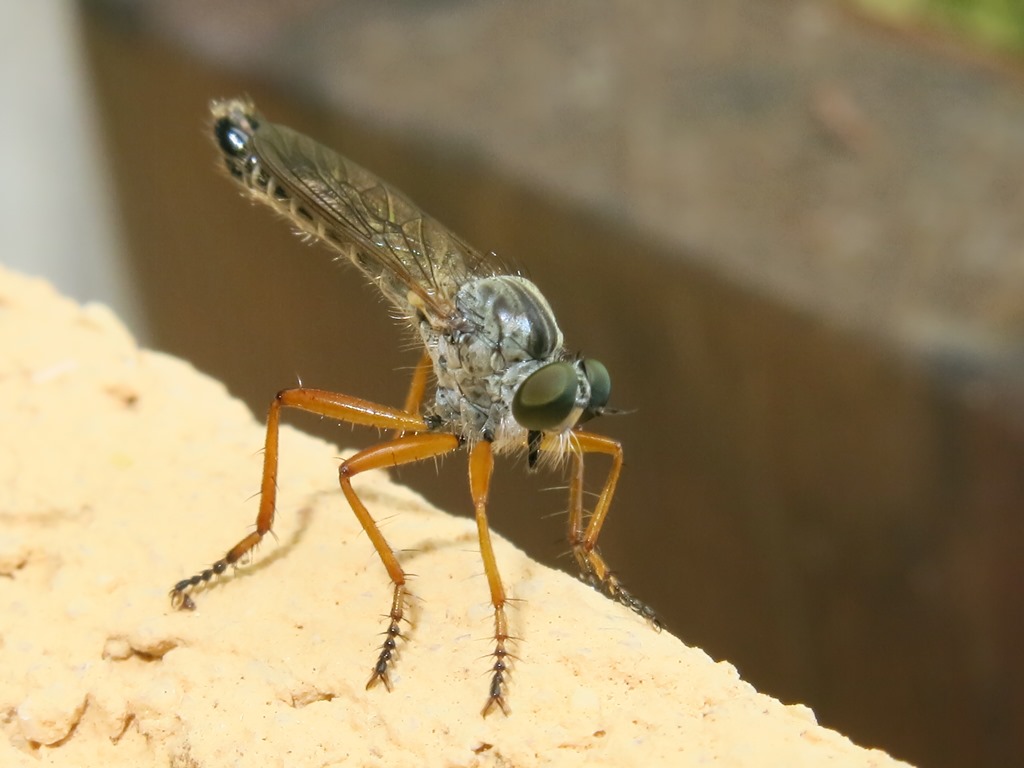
(402, 450)
(418, 385)
(481, 466)
(331, 404)
(583, 540)
(417, 388)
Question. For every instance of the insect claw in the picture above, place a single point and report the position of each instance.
(496, 697)
(380, 673)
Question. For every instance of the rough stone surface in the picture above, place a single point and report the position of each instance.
(125, 469)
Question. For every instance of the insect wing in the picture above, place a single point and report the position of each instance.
(401, 248)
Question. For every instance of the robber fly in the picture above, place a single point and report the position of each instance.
(503, 382)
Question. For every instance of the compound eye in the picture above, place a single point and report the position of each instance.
(600, 388)
(546, 398)
(232, 140)
(600, 384)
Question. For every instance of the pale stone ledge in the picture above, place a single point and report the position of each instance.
(124, 470)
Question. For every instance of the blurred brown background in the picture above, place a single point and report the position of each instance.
(795, 239)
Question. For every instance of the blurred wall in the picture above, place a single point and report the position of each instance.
(58, 213)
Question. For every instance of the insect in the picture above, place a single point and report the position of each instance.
(502, 379)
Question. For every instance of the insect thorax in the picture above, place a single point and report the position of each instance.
(503, 330)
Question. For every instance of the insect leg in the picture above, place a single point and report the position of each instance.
(481, 466)
(583, 540)
(330, 404)
(418, 386)
(402, 450)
